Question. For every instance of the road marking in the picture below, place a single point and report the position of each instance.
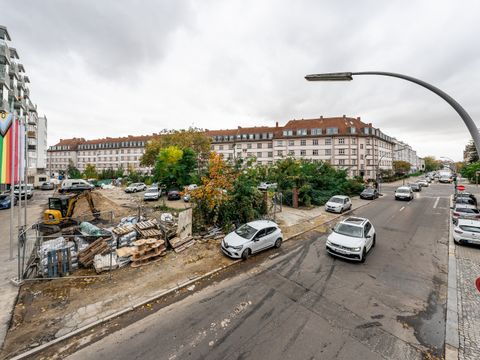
(436, 203)
(417, 195)
(402, 208)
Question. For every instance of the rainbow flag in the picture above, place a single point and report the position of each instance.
(6, 139)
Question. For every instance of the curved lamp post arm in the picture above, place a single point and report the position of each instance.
(346, 76)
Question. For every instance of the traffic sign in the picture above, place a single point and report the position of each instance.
(477, 283)
(460, 187)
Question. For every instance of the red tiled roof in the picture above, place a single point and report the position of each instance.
(242, 130)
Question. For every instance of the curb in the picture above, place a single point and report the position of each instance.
(155, 297)
(452, 341)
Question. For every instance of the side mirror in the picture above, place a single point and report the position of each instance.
(369, 236)
(451, 207)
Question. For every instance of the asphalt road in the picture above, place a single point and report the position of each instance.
(305, 304)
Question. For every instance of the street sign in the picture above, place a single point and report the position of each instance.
(460, 187)
(477, 283)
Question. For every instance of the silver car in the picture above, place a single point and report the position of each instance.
(251, 238)
(465, 211)
(152, 193)
(338, 204)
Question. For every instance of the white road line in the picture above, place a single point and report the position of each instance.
(417, 195)
(436, 203)
(402, 208)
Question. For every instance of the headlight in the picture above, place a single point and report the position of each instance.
(356, 249)
(237, 247)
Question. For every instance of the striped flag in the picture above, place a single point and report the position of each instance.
(6, 139)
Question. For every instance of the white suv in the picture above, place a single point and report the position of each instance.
(404, 193)
(252, 237)
(352, 239)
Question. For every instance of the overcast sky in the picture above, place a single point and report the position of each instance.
(113, 68)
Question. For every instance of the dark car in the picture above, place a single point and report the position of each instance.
(369, 194)
(47, 186)
(5, 201)
(465, 200)
(415, 187)
(173, 195)
(467, 195)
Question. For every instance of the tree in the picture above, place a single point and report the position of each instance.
(469, 171)
(401, 167)
(72, 171)
(192, 138)
(431, 164)
(175, 167)
(90, 172)
(471, 154)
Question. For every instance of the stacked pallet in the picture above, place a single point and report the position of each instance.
(123, 230)
(179, 244)
(148, 251)
(98, 247)
(148, 229)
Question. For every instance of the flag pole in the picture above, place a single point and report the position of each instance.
(18, 156)
(12, 178)
(25, 170)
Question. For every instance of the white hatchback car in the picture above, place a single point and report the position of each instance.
(352, 239)
(467, 231)
(338, 204)
(404, 193)
(251, 238)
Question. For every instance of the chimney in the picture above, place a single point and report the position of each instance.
(321, 117)
(276, 124)
(239, 127)
(344, 116)
(370, 124)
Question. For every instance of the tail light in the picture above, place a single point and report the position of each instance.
(456, 214)
(458, 231)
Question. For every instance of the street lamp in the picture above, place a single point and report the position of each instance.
(347, 76)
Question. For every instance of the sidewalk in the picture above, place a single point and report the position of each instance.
(47, 310)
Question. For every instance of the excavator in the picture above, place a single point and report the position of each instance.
(60, 211)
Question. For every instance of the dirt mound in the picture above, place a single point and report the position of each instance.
(102, 204)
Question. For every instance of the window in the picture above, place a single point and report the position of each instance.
(287, 132)
(328, 152)
(220, 147)
(341, 151)
(317, 131)
(315, 152)
(291, 153)
(361, 157)
(230, 146)
(341, 162)
(291, 143)
(341, 140)
(352, 130)
(249, 146)
(302, 132)
(303, 142)
(259, 145)
(368, 151)
(331, 131)
(279, 143)
(259, 154)
(368, 141)
(361, 146)
(354, 151)
(315, 142)
(328, 141)
(354, 141)
(303, 152)
(354, 161)
(270, 145)
(270, 154)
(279, 153)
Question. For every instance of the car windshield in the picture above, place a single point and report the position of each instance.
(473, 229)
(403, 190)
(152, 191)
(246, 231)
(336, 200)
(349, 230)
(3, 197)
(467, 210)
(368, 191)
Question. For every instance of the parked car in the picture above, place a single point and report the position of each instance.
(187, 197)
(173, 195)
(192, 187)
(47, 186)
(152, 193)
(423, 183)
(415, 187)
(467, 195)
(73, 185)
(5, 201)
(251, 238)
(352, 239)
(464, 211)
(369, 194)
(467, 231)
(465, 200)
(338, 204)
(404, 193)
(267, 185)
(135, 187)
(26, 190)
(445, 179)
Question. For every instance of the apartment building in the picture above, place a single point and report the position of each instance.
(106, 153)
(15, 95)
(404, 152)
(346, 143)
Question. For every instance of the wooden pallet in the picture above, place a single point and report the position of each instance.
(123, 230)
(99, 246)
(147, 262)
(150, 233)
(184, 246)
(147, 224)
(177, 242)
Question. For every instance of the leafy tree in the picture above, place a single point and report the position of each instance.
(133, 175)
(192, 138)
(469, 171)
(175, 167)
(72, 171)
(90, 172)
(431, 164)
(401, 167)
(119, 172)
(471, 152)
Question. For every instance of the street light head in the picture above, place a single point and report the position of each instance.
(344, 76)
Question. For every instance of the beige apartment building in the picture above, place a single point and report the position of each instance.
(346, 143)
(106, 153)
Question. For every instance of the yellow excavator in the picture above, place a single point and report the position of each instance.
(60, 211)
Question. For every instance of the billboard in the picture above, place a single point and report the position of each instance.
(9, 126)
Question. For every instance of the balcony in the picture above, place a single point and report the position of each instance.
(31, 134)
(4, 50)
(4, 77)
(13, 92)
(14, 70)
(26, 92)
(20, 104)
(32, 120)
(4, 106)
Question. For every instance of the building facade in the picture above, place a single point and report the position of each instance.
(404, 152)
(346, 143)
(15, 94)
(106, 153)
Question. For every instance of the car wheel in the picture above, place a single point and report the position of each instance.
(374, 240)
(456, 241)
(364, 255)
(246, 254)
(278, 243)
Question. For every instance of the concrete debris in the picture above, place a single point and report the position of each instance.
(105, 262)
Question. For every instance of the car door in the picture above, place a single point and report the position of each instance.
(348, 204)
(258, 241)
(271, 236)
(368, 233)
